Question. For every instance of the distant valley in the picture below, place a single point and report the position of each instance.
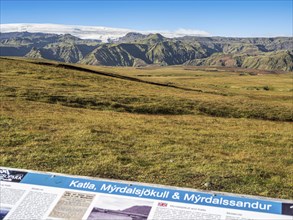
(136, 49)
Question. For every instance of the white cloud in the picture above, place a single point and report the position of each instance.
(93, 32)
(192, 32)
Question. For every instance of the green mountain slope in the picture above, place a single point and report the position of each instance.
(65, 52)
(171, 53)
(279, 60)
(117, 55)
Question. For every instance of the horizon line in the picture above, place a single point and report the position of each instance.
(179, 32)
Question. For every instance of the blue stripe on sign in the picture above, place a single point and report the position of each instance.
(166, 194)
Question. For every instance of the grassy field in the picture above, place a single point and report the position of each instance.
(210, 129)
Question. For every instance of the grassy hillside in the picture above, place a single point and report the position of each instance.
(200, 128)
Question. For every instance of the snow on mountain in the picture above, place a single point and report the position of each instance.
(92, 32)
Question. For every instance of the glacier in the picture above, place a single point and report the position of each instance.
(93, 32)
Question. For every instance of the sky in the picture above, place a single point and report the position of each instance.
(238, 18)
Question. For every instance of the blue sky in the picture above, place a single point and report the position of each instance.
(219, 18)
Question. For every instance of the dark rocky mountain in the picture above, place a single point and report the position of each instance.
(135, 49)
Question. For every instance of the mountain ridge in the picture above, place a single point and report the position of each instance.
(136, 49)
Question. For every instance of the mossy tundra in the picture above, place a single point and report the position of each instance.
(230, 129)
